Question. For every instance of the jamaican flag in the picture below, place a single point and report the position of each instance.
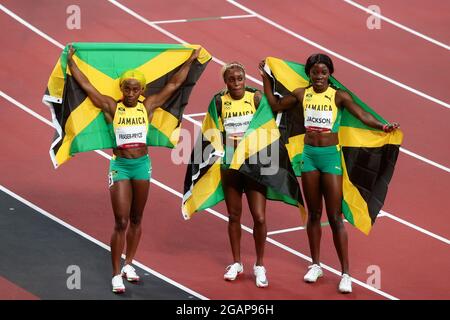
(368, 155)
(260, 155)
(80, 126)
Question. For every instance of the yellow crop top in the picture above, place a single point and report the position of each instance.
(320, 110)
(130, 126)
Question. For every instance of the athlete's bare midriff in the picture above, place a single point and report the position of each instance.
(131, 153)
(321, 139)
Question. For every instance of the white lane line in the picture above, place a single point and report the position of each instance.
(97, 242)
(176, 38)
(339, 56)
(381, 214)
(30, 26)
(147, 22)
(26, 109)
(201, 114)
(426, 160)
(167, 33)
(323, 224)
(188, 118)
(285, 230)
(238, 16)
(243, 16)
(398, 25)
(219, 215)
(417, 228)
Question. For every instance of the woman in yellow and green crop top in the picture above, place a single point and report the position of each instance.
(130, 167)
(238, 104)
(321, 159)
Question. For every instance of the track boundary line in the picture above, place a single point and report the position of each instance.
(200, 114)
(339, 56)
(426, 160)
(415, 227)
(398, 25)
(323, 224)
(30, 26)
(243, 16)
(381, 214)
(167, 33)
(97, 242)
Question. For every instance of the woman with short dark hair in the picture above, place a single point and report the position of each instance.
(321, 168)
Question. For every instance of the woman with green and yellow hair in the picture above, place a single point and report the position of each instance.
(130, 168)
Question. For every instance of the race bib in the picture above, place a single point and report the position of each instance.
(131, 136)
(318, 119)
(236, 126)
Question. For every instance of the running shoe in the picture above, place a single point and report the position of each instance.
(345, 286)
(315, 272)
(117, 284)
(233, 270)
(129, 273)
(260, 275)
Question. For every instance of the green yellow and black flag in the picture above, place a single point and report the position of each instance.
(80, 126)
(260, 155)
(368, 155)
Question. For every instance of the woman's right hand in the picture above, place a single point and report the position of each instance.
(389, 127)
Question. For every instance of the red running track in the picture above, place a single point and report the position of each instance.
(77, 191)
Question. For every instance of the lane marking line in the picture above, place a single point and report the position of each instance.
(200, 114)
(398, 25)
(415, 227)
(243, 16)
(339, 56)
